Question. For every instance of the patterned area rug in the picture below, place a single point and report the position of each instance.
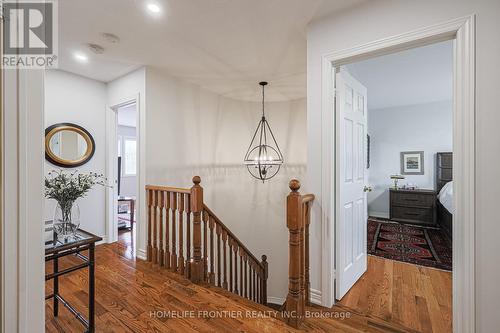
(416, 245)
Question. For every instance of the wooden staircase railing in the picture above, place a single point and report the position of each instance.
(185, 236)
(297, 221)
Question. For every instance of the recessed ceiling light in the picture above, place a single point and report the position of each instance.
(153, 8)
(81, 57)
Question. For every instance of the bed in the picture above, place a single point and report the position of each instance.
(444, 188)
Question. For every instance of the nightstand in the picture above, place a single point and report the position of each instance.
(413, 206)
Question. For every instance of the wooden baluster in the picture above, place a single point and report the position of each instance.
(230, 244)
(188, 233)
(167, 230)
(173, 259)
(245, 280)
(196, 269)
(218, 256)
(254, 283)
(294, 224)
(150, 203)
(181, 234)
(224, 256)
(162, 250)
(211, 275)
(155, 227)
(307, 283)
(259, 286)
(235, 249)
(264, 279)
(205, 246)
(241, 272)
(250, 278)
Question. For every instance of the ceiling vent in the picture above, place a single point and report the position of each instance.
(110, 38)
(97, 49)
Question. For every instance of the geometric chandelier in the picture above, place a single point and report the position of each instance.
(263, 158)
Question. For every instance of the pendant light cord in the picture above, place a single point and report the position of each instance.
(263, 115)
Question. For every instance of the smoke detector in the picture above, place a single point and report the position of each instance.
(110, 38)
(97, 49)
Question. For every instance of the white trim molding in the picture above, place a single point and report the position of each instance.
(462, 31)
(275, 300)
(315, 296)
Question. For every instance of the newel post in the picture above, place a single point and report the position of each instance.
(264, 279)
(294, 221)
(196, 263)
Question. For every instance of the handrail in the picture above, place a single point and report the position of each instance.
(307, 198)
(240, 244)
(184, 235)
(168, 189)
(298, 220)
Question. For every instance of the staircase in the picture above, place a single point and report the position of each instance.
(188, 240)
(186, 237)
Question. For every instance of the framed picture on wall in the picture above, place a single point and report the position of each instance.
(412, 163)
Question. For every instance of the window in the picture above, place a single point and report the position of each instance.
(129, 156)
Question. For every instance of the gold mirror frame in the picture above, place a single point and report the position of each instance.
(54, 159)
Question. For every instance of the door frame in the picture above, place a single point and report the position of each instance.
(112, 169)
(462, 32)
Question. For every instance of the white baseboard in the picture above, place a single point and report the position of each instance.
(315, 296)
(383, 215)
(275, 300)
(141, 254)
(103, 241)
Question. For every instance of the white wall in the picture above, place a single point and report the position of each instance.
(75, 99)
(375, 20)
(128, 186)
(191, 131)
(423, 127)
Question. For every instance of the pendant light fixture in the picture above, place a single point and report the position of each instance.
(263, 158)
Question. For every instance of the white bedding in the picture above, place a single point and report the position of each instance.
(445, 196)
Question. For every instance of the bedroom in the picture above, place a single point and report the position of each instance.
(405, 175)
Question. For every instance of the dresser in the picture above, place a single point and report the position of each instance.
(413, 206)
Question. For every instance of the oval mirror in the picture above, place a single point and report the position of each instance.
(68, 145)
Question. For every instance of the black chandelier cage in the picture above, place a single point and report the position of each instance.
(263, 158)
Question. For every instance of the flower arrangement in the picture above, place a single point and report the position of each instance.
(66, 188)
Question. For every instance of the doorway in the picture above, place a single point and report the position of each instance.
(395, 186)
(461, 32)
(123, 169)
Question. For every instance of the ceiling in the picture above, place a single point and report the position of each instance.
(415, 76)
(127, 115)
(226, 46)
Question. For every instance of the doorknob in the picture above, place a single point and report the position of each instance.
(367, 189)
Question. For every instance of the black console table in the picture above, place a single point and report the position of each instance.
(53, 251)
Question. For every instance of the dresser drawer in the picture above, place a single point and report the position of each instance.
(413, 214)
(413, 199)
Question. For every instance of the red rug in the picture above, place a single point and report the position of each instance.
(416, 245)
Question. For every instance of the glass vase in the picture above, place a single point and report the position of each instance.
(66, 221)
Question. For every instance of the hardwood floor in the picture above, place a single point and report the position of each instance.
(413, 296)
(129, 292)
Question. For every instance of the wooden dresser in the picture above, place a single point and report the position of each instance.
(413, 206)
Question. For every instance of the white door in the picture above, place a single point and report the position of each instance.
(351, 176)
